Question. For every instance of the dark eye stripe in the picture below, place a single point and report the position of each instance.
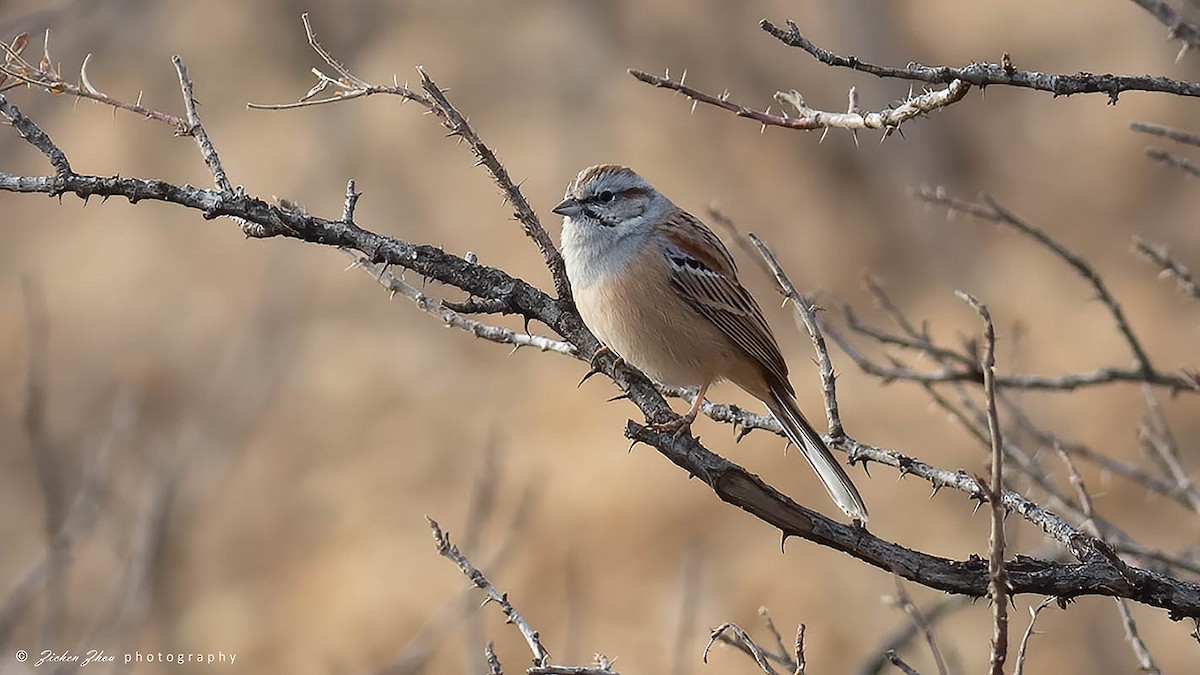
(627, 192)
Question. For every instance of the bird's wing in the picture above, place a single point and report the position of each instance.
(704, 275)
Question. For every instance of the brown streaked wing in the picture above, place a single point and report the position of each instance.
(705, 277)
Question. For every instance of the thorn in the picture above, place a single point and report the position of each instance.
(854, 133)
(823, 135)
(587, 376)
(695, 102)
(618, 397)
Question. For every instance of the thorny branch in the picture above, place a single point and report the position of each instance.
(1168, 266)
(1142, 371)
(808, 119)
(448, 550)
(1177, 27)
(986, 74)
(541, 657)
(349, 86)
(1022, 649)
(997, 579)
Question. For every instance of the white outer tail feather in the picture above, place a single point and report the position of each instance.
(831, 473)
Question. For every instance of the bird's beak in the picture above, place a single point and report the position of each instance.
(568, 207)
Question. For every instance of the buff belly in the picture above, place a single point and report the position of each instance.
(642, 319)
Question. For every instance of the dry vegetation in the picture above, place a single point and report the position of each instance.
(219, 444)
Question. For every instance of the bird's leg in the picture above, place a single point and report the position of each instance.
(687, 419)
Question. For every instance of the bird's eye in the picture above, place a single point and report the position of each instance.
(605, 197)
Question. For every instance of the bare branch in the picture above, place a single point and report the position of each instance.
(454, 319)
(48, 77)
(985, 74)
(1177, 27)
(603, 667)
(1174, 161)
(903, 667)
(920, 623)
(1021, 651)
(458, 126)
(992, 211)
(743, 641)
(448, 550)
(877, 661)
(1166, 132)
(1159, 255)
(492, 661)
(806, 312)
(196, 129)
(1145, 660)
(808, 119)
(997, 581)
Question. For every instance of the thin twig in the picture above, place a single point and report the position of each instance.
(1174, 161)
(492, 660)
(1022, 649)
(1157, 436)
(48, 77)
(987, 74)
(744, 642)
(523, 212)
(920, 622)
(909, 631)
(806, 312)
(793, 661)
(1177, 27)
(448, 550)
(1168, 266)
(1140, 651)
(903, 667)
(1166, 132)
(454, 319)
(998, 582)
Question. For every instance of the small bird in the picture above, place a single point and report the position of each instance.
(660, 289)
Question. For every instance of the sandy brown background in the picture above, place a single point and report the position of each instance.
(318, 422)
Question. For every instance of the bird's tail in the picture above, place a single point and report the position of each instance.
(832, 475)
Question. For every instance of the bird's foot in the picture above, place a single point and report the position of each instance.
(678, 424)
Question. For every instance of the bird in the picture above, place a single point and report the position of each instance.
(658, 288)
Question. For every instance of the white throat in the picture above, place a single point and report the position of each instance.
(594, 254)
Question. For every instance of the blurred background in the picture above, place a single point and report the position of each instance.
(275, 429)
